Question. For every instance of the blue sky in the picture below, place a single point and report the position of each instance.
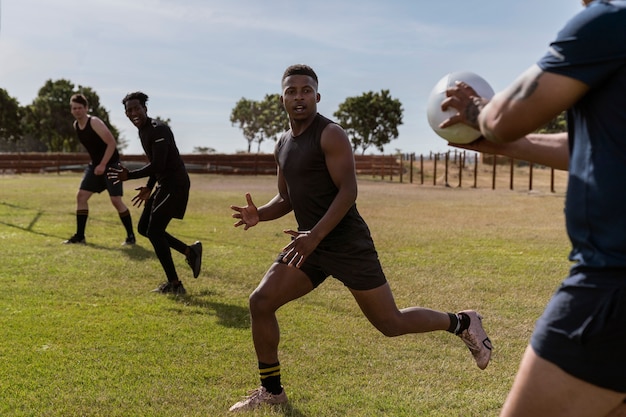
(197, 58)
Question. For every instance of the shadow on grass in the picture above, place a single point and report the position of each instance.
(233, 316)
(289, 411)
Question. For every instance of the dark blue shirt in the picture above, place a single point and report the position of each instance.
(591, 48)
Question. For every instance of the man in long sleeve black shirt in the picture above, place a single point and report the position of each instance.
(167, 169)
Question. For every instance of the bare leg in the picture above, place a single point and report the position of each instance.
(541, 389)
(118, 204)
(280, 285)
(380, 308)
(82, 198)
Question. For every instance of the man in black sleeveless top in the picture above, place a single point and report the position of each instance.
(96, 137)
(317, 180)
(169, 201)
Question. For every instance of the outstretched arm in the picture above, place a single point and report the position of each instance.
(507, 121)
(278, 206)
(549, 149)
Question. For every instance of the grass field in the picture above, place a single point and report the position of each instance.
(81, 334)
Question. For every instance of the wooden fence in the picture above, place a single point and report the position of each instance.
(236, 164)
(455, 168)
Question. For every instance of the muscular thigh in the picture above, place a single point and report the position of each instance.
(280, 285)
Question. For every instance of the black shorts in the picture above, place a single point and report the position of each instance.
(171, 198)
(354, 263)
(98, 183)
(583, 329)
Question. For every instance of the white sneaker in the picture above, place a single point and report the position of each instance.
(257, 397)
(476, 339)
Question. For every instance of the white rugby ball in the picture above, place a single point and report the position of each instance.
(458, 133)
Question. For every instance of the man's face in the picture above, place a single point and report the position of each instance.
(78, 110)
(136, 112)
(300, 96)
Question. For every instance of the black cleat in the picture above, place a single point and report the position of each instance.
(130, 240)
(194, 259)
(171, 288)
(75, 240)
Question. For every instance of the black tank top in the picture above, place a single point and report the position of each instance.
(309, 184)
(94, 144)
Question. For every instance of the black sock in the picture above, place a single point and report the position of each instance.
(458, 323)
(81, 222)
(270, 377)
(464, 322)
(454, 323)
(127, 222)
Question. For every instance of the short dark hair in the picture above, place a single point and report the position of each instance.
(137, 95)
(80, 99)
(300, 69)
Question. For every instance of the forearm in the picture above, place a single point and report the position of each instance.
(275, 208)
(541, 148)
(108, 153)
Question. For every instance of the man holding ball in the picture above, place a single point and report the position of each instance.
(574, 365)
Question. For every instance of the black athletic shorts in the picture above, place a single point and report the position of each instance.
(171, 197)
(353, 263)
(583, 329)
(98, 183)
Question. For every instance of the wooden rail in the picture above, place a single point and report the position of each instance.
(235, 164)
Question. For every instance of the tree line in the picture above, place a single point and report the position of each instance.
(45, 125)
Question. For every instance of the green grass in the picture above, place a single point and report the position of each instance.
(81, 335)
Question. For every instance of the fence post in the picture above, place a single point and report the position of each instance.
(447, 159)
(475, 170)
(552, 180)
(493, 174)
(461, 160)
(411, 158)
(435, 168)
(530, 178)
(422, 169)
(512, 161)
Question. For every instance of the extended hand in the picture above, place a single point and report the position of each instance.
(300, 247)
(463, 98)
(248, 215)
(144, 194)
(117, 174)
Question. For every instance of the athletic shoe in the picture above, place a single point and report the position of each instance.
(194, 259)
(171, 288)
(130, 240)
(75, 239)
(476, 339)
(256, 398)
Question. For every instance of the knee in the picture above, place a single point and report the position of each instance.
(259, 303)
(388, 328)
(390, 331)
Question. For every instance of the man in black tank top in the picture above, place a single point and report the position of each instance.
(102, 148)
(317, 181)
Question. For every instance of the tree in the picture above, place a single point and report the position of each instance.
(10, 115)
(203, 150)
(48, 117)
(273, 119)
(260, 120)
(371, 119)
(245, 114)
